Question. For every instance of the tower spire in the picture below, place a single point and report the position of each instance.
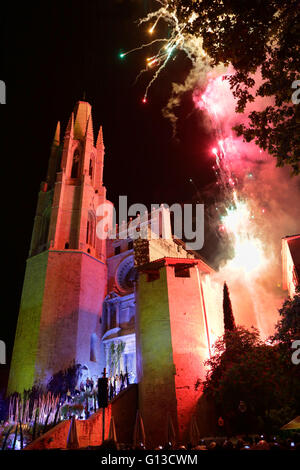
(82, 113)
(89, 133)
(70, 126)
(56, 140)
(54, 157)
(68, 138)
(100, 142)
(100, 151)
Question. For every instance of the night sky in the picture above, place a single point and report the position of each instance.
(55, 53)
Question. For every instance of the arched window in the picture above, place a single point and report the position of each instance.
(160, 224)
(93, 351)
(90, 229)
(113, 315)
(91, 168)
(87, 231)
(75, 165)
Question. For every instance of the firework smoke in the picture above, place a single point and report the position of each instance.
(259, 210)
(259, 204)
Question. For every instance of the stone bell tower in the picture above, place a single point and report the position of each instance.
(65, 278)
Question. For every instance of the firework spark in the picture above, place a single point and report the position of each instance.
(178, 40)
(246, 175)
(248, 248)
(238, 221)
(212, 101)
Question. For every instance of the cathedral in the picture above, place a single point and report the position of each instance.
(85, 296)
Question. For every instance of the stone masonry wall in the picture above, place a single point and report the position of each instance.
(22, 370)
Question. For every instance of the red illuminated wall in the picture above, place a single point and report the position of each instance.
(71, 310)
(172, 343)
(122, 408)
(89, 433)
(189, 342)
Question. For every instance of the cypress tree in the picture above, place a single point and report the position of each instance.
(229, 323)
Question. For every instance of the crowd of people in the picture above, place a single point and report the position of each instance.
(116, 384)
(87, 391)
(250, 443)
(237, 444)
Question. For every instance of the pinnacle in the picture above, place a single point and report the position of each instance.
(56, 140)
(100, 142)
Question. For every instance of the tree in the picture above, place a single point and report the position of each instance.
(287, 330)
(229, 323)
(64, 380)
(255, 36)
(116, 350)
(244, 368)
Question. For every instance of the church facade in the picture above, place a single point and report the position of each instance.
(83, 295)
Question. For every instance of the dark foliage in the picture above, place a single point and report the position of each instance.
(288, 327)
(229, 323)
(246, 369)
(64, 380)
(287, 331)
(256, 36)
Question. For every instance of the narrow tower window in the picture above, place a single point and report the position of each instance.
(91, 168)
(90, 229)
(93, 350)
(87, 231)
(75, 164)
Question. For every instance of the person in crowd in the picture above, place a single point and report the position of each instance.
(69, 396)
(92, 384)
(82, 387)
(111, 389)
(122, 377)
